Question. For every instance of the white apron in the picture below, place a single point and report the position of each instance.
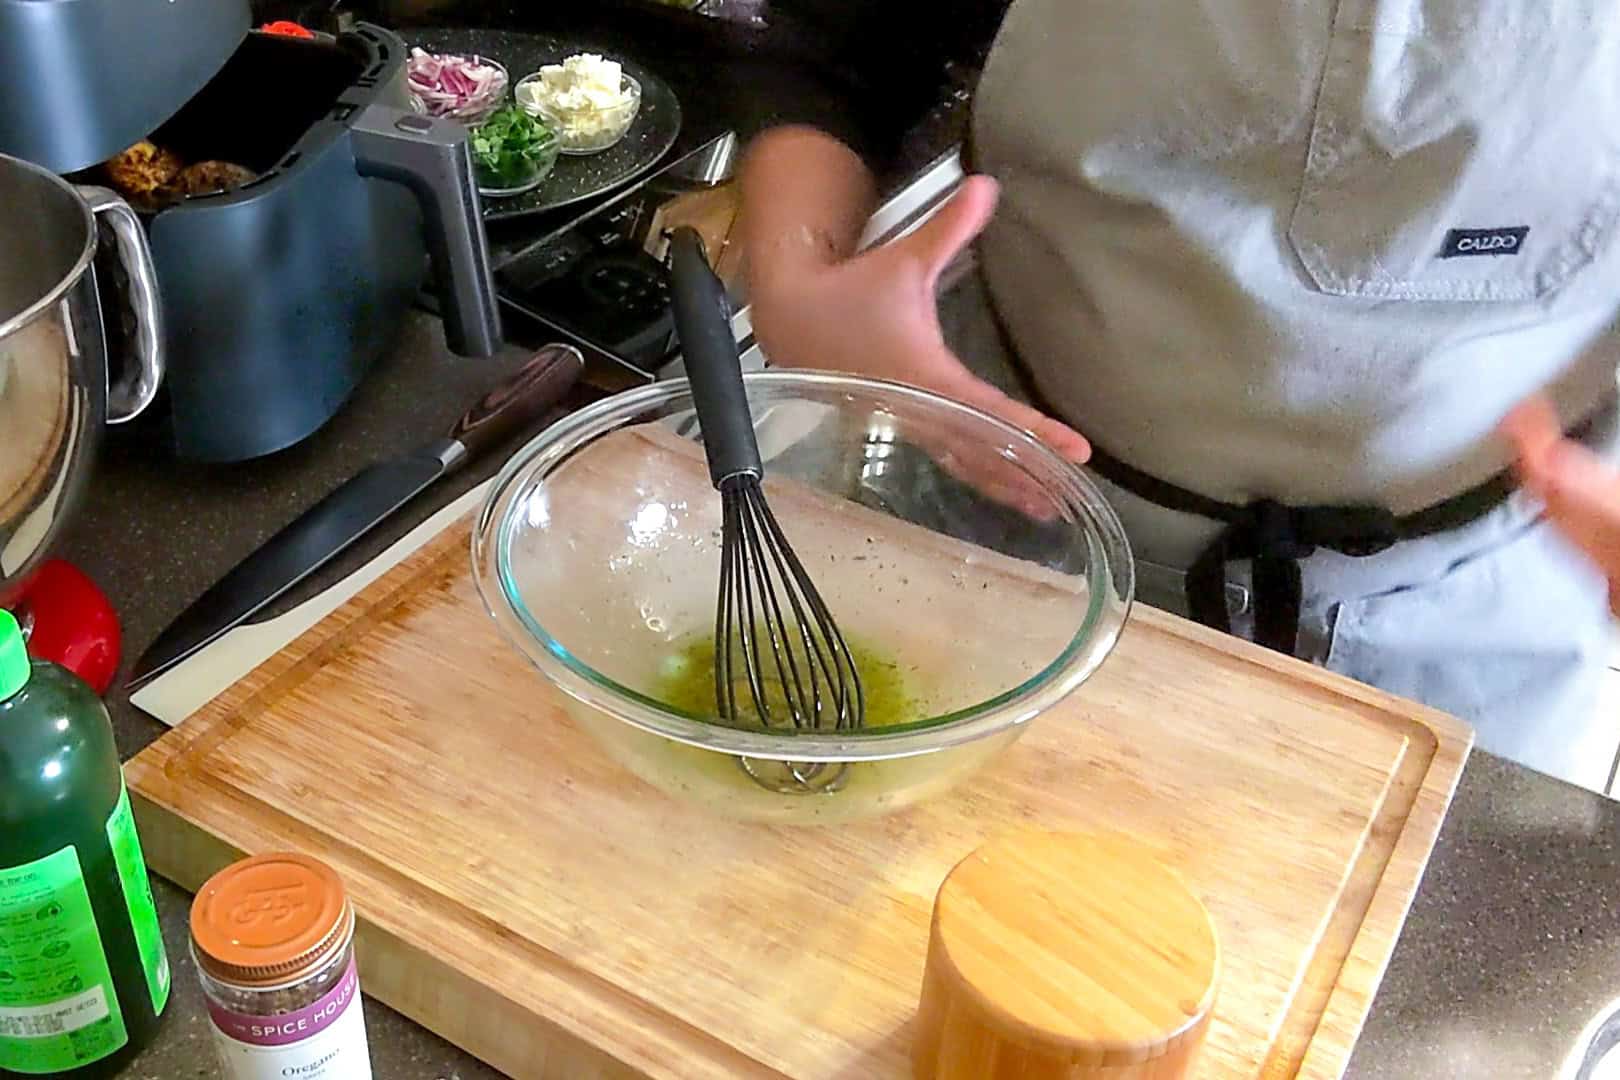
(1312, 251)
(1224, 236)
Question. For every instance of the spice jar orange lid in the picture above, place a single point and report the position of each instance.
(270, 918)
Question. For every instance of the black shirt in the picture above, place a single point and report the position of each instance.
(887, 62)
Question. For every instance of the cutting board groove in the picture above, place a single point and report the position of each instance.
(526, 898)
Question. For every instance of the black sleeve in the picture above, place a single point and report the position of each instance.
(873, 68)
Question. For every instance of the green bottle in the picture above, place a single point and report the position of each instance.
(83, 974)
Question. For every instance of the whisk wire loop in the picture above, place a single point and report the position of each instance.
(821, 637)
(773, 624)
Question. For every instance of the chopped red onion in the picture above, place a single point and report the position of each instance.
(456, 86)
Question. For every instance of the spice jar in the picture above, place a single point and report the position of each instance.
(273, 938)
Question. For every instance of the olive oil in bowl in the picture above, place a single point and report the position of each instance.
(786, 792)
(686, 681)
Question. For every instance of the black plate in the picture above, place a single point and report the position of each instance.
(575, 177)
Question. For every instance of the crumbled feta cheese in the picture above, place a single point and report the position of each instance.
(582, 96)
(583, 81)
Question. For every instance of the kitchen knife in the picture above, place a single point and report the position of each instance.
(360, 504)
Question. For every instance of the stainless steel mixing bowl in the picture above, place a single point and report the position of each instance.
(54, 392)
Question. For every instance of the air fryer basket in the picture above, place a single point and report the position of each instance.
(267, 96)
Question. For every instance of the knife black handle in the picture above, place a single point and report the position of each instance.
(519, 401)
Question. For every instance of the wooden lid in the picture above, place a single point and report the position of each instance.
(270, 919)
(1077, 949)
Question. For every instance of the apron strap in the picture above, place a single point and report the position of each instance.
(1272, 537)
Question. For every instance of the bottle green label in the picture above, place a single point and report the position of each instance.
(126, 849)
(58, 1008)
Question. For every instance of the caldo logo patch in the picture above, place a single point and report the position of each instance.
(1460, 242)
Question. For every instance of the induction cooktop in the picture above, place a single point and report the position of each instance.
(599, 281)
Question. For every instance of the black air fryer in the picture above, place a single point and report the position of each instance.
(279, 294)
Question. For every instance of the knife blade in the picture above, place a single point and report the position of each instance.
(357, 506)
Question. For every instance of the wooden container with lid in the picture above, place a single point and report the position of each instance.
(1057, 955)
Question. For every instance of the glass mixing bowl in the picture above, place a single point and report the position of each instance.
(985, 575)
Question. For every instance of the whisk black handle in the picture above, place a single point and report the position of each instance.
(709, 349)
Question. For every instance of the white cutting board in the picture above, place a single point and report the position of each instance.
(203, 676)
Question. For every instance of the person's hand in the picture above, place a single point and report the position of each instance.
(876, 314)
(1580, 492)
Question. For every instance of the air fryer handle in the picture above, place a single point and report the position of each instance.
(430, 157)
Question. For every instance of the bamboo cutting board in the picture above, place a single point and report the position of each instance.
(527, 898)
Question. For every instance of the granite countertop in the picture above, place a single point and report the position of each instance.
(1512, 944)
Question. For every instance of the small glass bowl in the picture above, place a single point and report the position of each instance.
(472, 115)
(584, 131)
(543, 162)
(539, 165)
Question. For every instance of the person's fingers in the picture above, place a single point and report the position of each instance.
(1533, 429)
(1582, 486)
(1582, 496)
(971, 390)
(972, 462)
(938, 240)
(1580, 492)
(993, 477)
